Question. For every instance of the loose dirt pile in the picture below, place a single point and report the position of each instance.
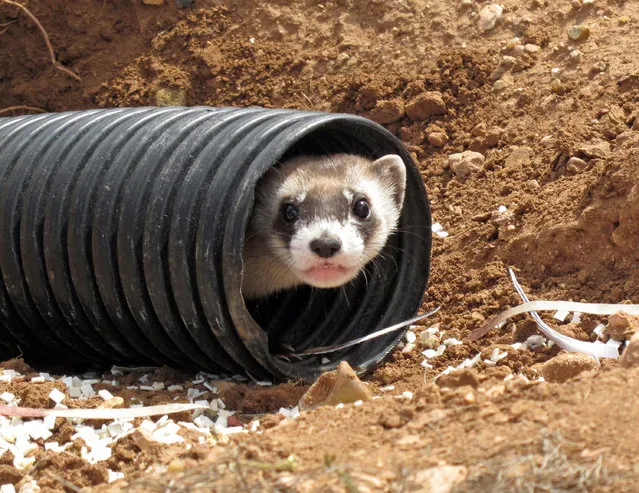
(548, 97)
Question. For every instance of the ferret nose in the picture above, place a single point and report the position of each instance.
(326, 247)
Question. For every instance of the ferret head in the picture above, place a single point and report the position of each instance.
(324, 218)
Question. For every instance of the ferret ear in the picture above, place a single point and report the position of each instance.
(392, 170)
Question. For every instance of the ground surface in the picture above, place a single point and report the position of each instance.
(570, 227)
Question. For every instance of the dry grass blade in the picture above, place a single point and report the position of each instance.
(55, 63)
(22, 108)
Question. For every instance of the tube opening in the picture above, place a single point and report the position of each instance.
(307, 317)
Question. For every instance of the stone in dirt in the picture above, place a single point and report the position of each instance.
(579, 33)
(341, 386)
(438, 139)
(622, 326)
(170, 97)
(630, 356)
(441, 479)
(565, 366)
(488, 16)
(9, 475)
(426, 105)
(465, 163)
(387, 111)
(518, 156)
(599, 149)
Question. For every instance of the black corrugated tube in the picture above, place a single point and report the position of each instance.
(122, 235)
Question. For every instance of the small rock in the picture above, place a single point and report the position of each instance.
(459, 378)
(621, 326)
(579, 33)
(387, 111)
(575, 57)
(597, 68)
(499, 85)
(441, 479)
(513, 43)
(488, 16)
(9, 475)
(429, 340)
(464, 163)
(536, 342)
(531, 48)
(170, 97)
(335, 387)
(557, 87)
(426, 105)
(599, 149)
(493, 136)
(438, 139)
(630, 356)
(507, 63)
(532, 185)
(565, 366)
(518, 157)
(575, 165)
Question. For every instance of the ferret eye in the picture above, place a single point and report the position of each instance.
(362, 209)
(290, 212)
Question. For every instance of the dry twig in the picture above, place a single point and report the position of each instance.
(55, 63)
(22, 108)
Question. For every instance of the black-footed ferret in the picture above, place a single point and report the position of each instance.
(320, 220)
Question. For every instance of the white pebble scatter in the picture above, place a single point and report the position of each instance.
(7, 488)
(19, 437)
(438, 229)
(8, 375)
(410, 337)
(452, 342)
(497, 355)
(263, 383)
(49, 422)
(115, 475)
(432, 353)
(192, 394)
(56, 396)
(358, 403)
(561, 315)
(501, 209)
(292, 413)
(222, 418)
(7, 397)
(407, 395)
(212, 387)
(408, 348)
(388, 388)
(75, 392)
(105, 394)
(87, 390)
(203, 422)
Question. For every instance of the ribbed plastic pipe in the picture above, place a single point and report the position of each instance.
(122, 235)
